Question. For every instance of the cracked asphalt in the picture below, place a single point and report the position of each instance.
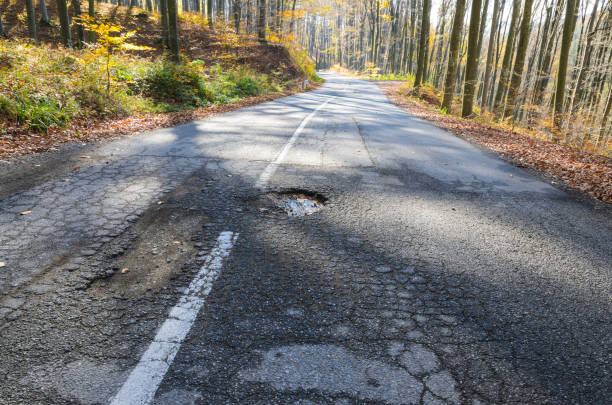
(436, 273)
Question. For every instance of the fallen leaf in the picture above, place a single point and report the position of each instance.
(25, 212)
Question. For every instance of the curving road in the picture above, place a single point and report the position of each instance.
(160, 268)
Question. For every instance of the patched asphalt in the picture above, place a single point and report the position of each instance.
(435, 273)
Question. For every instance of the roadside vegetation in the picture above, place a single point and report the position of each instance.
(117, 63)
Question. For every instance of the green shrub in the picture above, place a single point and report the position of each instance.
(179, 83)
(246, 86)
(95, 101)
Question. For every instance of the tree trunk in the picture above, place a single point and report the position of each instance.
(163, 11)
(44, 19)
(606, 115)
(519, 64)
(471, 67)
(423, 45)
(566, 42)
(237, 9)
(2, 30)
(292, 24)
(62, 11)
(31, 16)
(209, 13)
(91, 12)
(507, 61)
(220, 9)
(173, 41)
(453, 54)
(76, 4)
(490, 49)
(261, 20)
(586, 58)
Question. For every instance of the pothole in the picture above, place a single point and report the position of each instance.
(293, 202)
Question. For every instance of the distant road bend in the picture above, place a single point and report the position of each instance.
(161, 268)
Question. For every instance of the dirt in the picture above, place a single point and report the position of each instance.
(561, 165)
(160, 250)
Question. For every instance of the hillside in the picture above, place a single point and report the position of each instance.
(49, 94)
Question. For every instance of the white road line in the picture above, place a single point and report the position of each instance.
(145, 378)
(271, 168)
(141, 385)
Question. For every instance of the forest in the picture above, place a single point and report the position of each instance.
(541, 65)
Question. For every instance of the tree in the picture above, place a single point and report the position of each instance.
(490, 48)
(91, 12)
(453, 54)
(521, 52)
(31, 19)
(471, 67)
(2, 31)
(209, 13)
(237, 11)
(44, 19)
(423, 45)
(76, 4)
(62, 11)
(163, 11)
(261, 20)
(507, 61)
(173, 43)
(566, 42)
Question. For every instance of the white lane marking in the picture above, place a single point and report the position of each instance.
(271, 168)
(141, 385)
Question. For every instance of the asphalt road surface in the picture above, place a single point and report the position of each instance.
(161, 268)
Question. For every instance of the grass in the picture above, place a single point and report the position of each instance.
(44, 87)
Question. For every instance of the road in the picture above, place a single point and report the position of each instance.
(160, 268)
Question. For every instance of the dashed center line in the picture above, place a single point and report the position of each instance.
(142, 383)
(271, 168)
(145, 378)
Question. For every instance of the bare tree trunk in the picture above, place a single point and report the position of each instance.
(62, 11)
(507, 61)
(173, 41)
(2, 30)
(237, 9)
(451, 69)
(209, 13)
(519, 64)
(261, 20)
(76, 4)
(423, 45)
(566, 41)
(490, 49)
(91, 12)
(44, 19)
(586, 58)
(606, 115)
(471, 67)
(31, 16)
(163, 10)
